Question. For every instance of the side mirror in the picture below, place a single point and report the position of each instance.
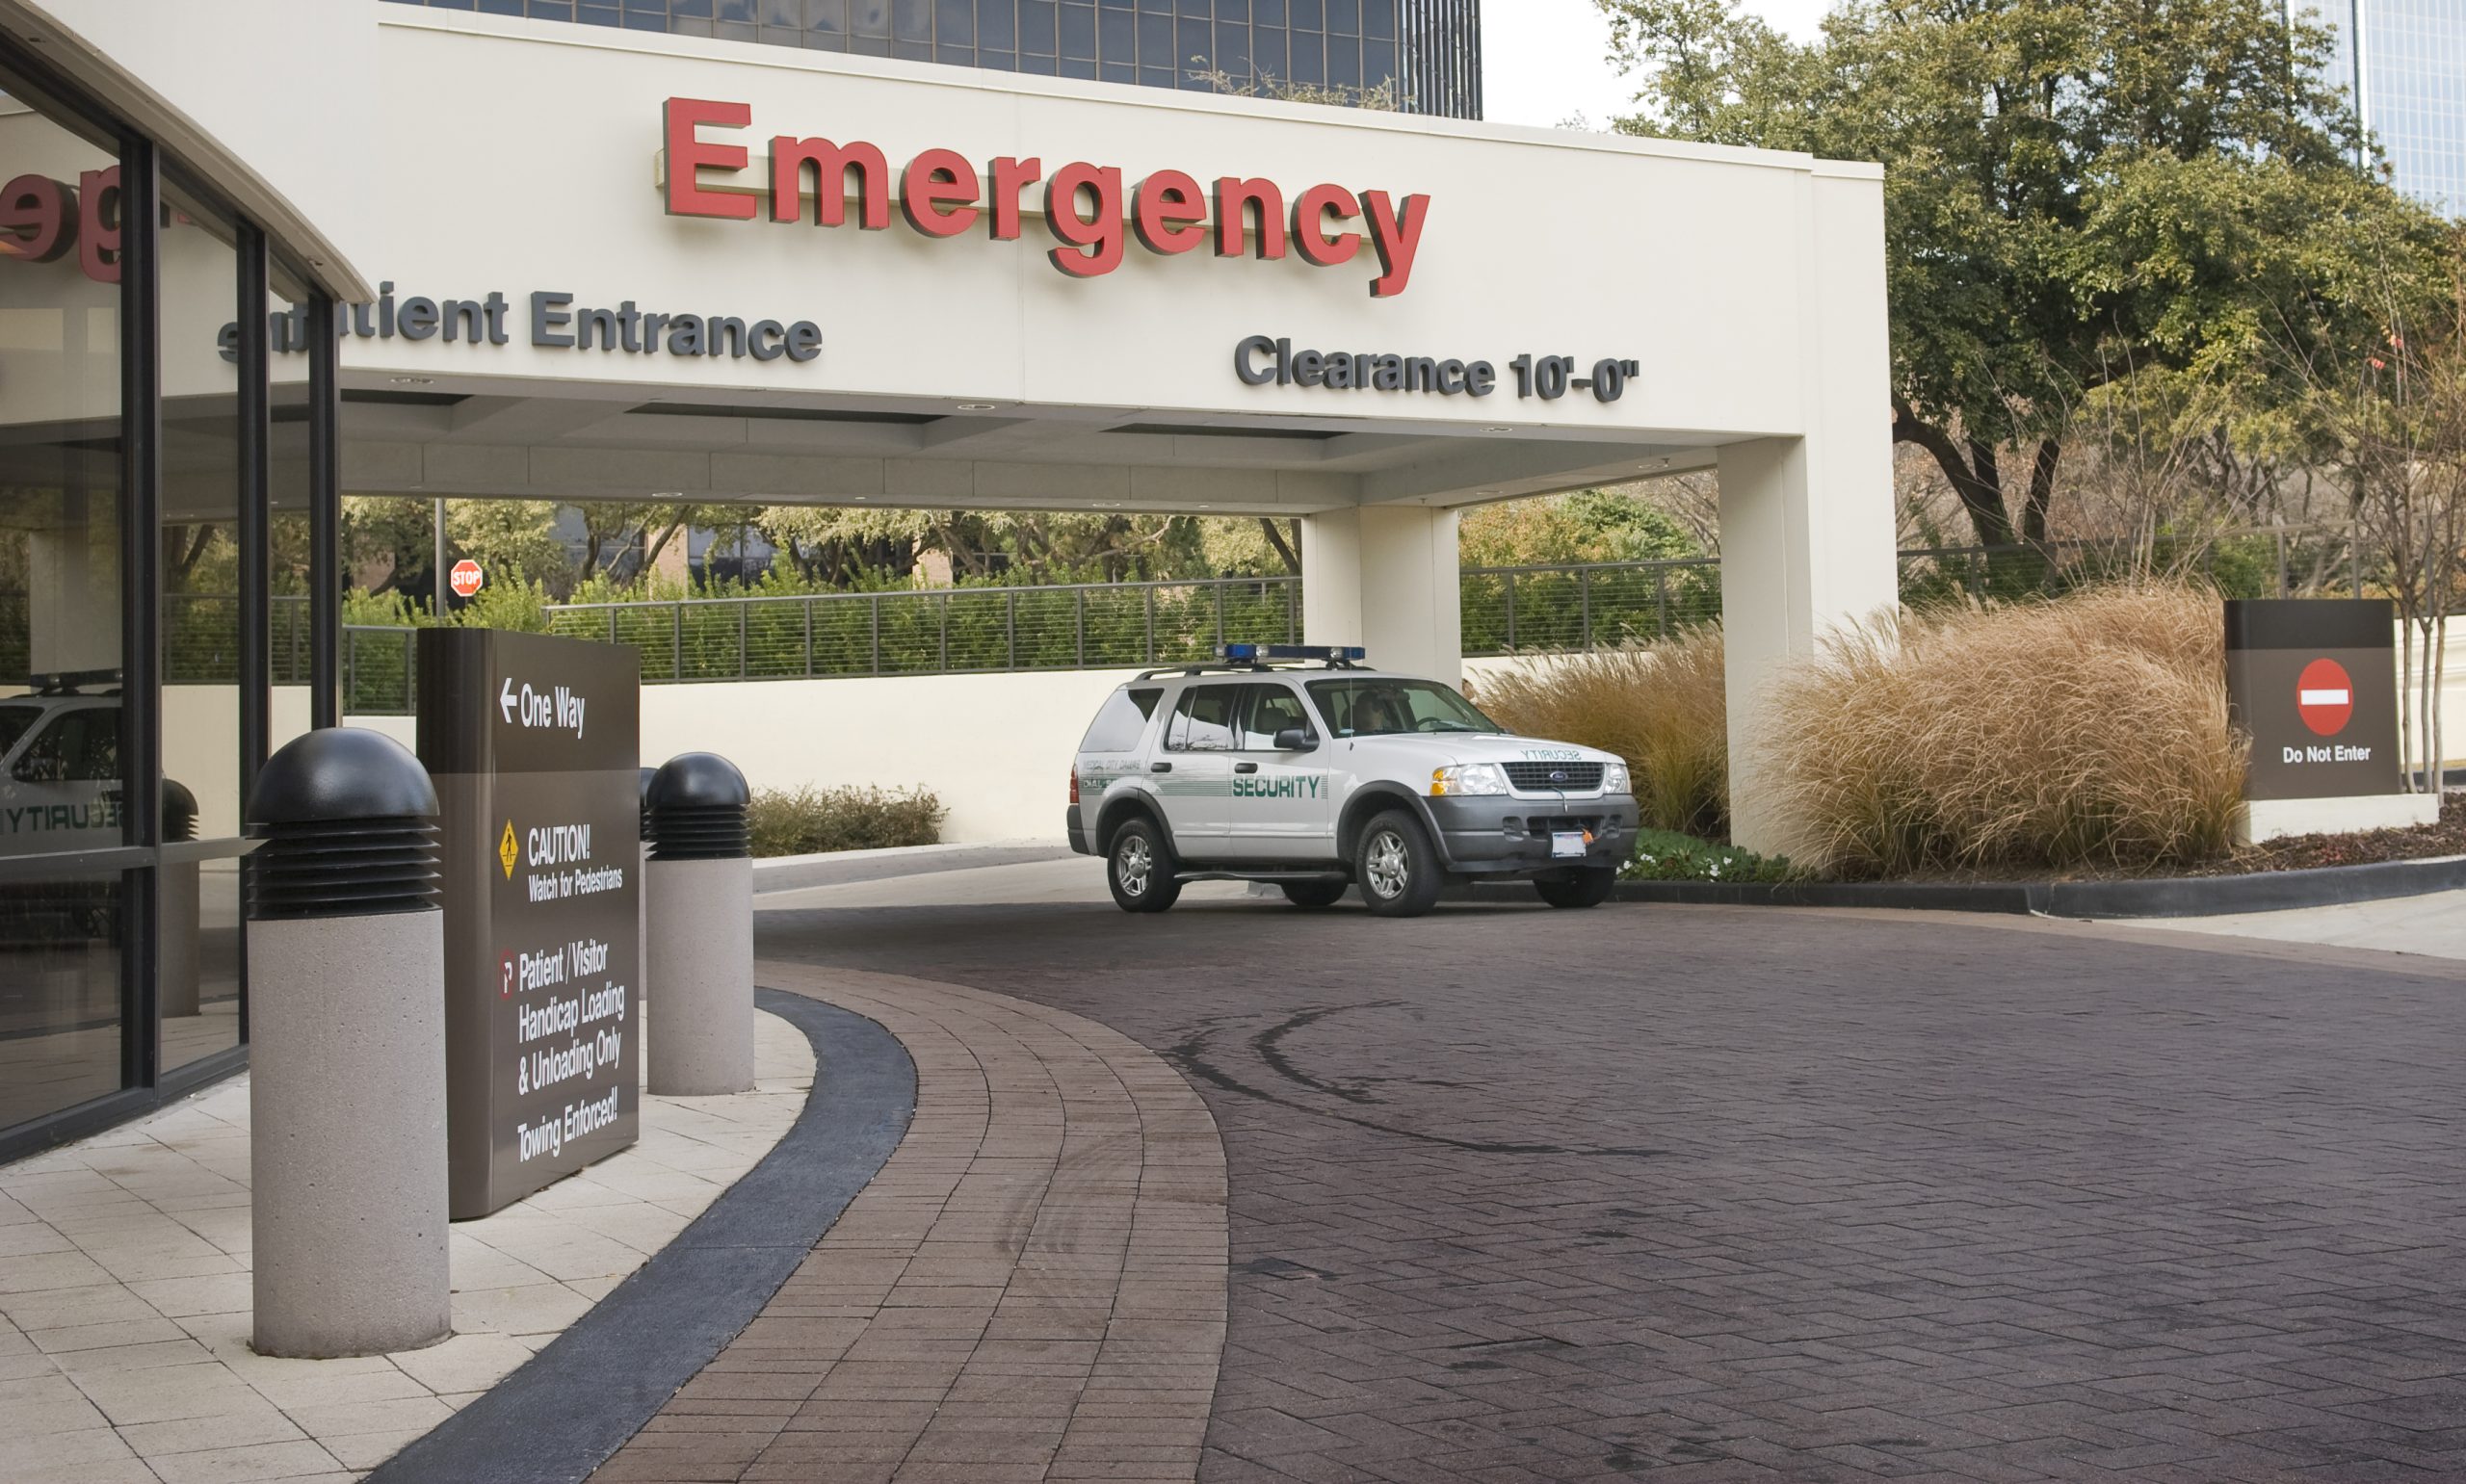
(1294, 739)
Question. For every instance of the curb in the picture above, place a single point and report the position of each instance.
(562, 1412)
(2266, 891)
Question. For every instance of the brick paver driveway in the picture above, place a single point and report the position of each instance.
(1727, 1194)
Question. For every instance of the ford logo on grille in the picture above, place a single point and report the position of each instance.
(1560, 776)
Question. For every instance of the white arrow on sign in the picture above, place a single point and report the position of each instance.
(505, 702)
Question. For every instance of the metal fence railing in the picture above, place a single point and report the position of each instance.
(943, 631)
(1513, 609)
(1118, 625)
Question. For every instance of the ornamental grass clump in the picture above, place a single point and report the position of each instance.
(2085, 731)
(1661, 706)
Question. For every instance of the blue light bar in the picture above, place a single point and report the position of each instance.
(1255, 653)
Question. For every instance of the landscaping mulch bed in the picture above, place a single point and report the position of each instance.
(2304, 852)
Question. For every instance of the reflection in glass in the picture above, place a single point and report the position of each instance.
(60, 604)
(197, 921)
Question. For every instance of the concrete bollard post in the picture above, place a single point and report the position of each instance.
(181, 915)
(347, 1060)
(699, 896)
(643, 895)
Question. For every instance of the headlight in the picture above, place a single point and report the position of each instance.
(1614, 779)
(1468, 778)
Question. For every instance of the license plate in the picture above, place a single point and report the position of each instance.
(1568, 845)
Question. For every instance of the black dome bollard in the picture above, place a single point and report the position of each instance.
(697, 896)
(347, 1096)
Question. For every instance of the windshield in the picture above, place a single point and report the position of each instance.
(13, 721)
(1382, 705)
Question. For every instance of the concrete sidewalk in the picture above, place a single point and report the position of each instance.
(2434, 924)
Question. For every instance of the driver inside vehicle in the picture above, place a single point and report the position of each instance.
(1374, 714)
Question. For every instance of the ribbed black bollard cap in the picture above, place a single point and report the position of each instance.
(350, 822)
(179, 813)
(697, 803)
(647, 774)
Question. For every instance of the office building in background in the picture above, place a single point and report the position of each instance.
(1422, 56)
(2404, 62)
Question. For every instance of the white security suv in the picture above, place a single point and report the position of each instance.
(1317, 779)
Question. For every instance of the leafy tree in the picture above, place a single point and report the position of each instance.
(1592, 524)
(2076, 192)
(514, 541)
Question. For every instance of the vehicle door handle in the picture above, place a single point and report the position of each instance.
(1246, 767)
(1159, 767)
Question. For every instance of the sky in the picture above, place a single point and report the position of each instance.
(1545, 60)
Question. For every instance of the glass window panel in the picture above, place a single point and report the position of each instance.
(911, 21)
(1267, 54)
(1078, 68)
(1378, 63)
(1379, 18)
(1233, 49)
(869, 17)
(1078, 32)
(198, 904)
(60, 600)
(997, 25)
(1344, 61)
(829, 16)
(1156, 41)
(1343, 15)
(1036, 28)
(1310, 14)
(1118, 72)
(955, 23)
(60, 1002)
(1118, 37)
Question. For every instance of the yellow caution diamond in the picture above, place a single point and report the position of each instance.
(507, 852)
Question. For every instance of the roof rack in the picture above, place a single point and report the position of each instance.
(1259, 659)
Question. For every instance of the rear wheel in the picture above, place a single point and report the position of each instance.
(1313, 894)
(1586, 888)
(1396, 867)
(1139, 867)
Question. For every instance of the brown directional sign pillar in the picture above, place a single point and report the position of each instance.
(533, 744)
(2315, 682)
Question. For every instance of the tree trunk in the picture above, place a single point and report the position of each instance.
(2042, 492)
(1290, 553)
(1973, 474)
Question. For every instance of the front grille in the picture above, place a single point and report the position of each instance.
(1536, 777)
(1554, 823)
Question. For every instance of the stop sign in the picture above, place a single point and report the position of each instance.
(2325, 698)
(465, 579)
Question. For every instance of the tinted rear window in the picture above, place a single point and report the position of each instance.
(1122, 723)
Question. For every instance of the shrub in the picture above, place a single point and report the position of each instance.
(2084, 731)
(1662, 855)
(811, 820)
(1659, 705)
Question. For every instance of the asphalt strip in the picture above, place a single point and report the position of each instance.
(566, 1409)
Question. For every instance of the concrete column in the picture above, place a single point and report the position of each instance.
(72, 582)
(1384, 577)
(1807, 523)
(701, 958)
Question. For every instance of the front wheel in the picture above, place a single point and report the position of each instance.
(1139, 867)
(1396, 865)
(1313, 894)
(1586, 888)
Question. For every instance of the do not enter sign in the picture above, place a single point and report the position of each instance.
(2325, 698)
(466, 578)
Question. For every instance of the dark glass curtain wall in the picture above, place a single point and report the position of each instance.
(1422, 56)
(133, 665)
